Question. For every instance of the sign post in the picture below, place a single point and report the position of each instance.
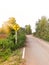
(16, 37)
(16, 28)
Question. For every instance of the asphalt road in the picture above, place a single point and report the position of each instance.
(37, 51)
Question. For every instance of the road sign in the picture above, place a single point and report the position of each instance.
(16, 27)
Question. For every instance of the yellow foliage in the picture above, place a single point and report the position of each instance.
(8, 25)
(0, 30)
(5, 28)
(11, 20)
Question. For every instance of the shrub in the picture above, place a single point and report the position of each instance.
(5, 54)
(8, 45)
(21, 38)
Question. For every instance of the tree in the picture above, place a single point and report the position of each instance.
(9, 25)
(5, 28)
(0, 30)
(28, 29)
(42, 28)
(11, 20)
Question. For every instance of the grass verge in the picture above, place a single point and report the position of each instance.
(14, 59)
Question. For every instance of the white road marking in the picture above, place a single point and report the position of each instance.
(23, 54)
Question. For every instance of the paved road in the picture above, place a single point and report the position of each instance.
(37, 51)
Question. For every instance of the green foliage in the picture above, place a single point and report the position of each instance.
(42, 28)
(17, 52)
(21, 38)
(8, 45)
(28, 29)
(5, 48)
(4, 54)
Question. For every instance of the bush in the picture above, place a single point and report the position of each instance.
(5, 54)
(8, 45)
(21, 38)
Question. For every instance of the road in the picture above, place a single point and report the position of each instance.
(37, 51)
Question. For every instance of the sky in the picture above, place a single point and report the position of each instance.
(25, 11)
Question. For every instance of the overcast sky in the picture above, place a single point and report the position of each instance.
(25, 11)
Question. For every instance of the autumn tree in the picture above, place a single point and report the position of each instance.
(0, 30)
(9, 25)
(5, 28)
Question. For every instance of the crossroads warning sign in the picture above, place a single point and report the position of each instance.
(16, 27)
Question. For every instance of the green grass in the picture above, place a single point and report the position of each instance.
(14, 58)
